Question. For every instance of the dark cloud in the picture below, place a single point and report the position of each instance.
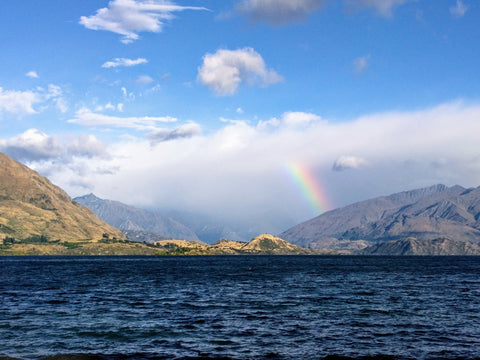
(184, 131)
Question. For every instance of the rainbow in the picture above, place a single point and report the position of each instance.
(310, 187)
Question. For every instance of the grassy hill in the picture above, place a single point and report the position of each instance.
(32, 208)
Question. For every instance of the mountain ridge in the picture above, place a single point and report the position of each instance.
(32, 207)
(427, 213)
(141, 225)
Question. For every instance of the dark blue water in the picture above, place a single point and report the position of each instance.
(236, 307)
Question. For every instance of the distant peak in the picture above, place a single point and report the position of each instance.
(88, 197)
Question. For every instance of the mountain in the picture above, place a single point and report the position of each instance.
(31, 207)
(426, 214)
(413, 246)
(140, 225)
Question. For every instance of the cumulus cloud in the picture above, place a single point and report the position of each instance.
(383, 7)
(86, 117)
(124, 62)
(35, 145)
(345, 162)
(32, 145)
(225, 70)
(32, 74)
(278, 12)
(360, 64)
(459, 9)
(181, 132)
(130, 17)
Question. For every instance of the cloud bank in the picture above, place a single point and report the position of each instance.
(224, 71)
(238, 173)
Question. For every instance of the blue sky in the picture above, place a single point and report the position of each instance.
(200, 104)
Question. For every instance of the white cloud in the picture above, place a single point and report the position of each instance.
(290, 119)
(383, 7)
(360, 64)
(459, 9)
(85, 117)
(23, 102)
(345, 162)
(124, 62)
(86, 145)
(32, 74)
(130, 17)
(278, 12)
(19, 102)
(32, 145)
(225, 70)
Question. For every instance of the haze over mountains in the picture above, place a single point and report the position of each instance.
(425, 214)
(437, 220)
(139, 224)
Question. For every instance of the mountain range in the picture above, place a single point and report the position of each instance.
(424, 214)
(37, 217)
(139, 224)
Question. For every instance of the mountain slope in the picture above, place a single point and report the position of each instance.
(141, 225)
(412, 246)
(428, 213)
(30, 205)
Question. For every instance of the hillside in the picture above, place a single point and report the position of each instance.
(412, 246)
(31, 207)
(140, 225)
(264, 244)
(429, 213)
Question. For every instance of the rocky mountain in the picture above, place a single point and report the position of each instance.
(413, 246)
(31, 207)
(426, 214)
(140, 225)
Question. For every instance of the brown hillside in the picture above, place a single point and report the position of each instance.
(31, 205)
(268, 244)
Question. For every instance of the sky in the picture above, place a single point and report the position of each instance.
(258, 112)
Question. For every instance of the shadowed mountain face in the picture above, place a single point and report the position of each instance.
(140, 225)
(30, 205)
(429, 213)
(412, 246)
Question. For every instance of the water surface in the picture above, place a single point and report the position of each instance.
(240, 307)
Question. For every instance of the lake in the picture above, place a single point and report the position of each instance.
(240, 307)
